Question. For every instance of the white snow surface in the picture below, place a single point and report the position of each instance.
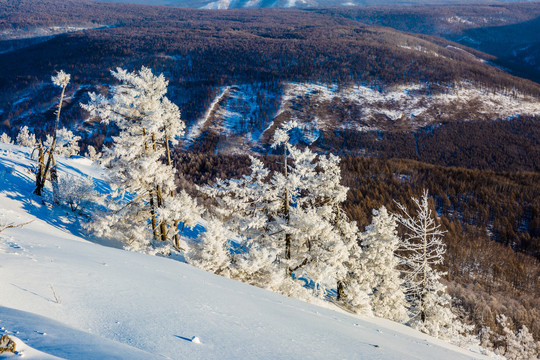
(115, 304)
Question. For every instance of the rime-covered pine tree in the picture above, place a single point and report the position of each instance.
(212, 250)
(290, 221)
(250, 207)
(139, 164)
(518, 345)
(67, 143)
(423, 249)
(379, 267)
(4, 138)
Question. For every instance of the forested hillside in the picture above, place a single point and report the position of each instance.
(316, 116)
(508, 32)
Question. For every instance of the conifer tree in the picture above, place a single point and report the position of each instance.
(518, 345)
(139, 164)
(430, 305)
(4, 138)
(212, 250)
(290, 221)
(25, 138)
(379, 267)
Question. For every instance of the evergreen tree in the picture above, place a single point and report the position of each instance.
(212, 250)
(290, 222)
(423, 249)
(519, 345)
(4, 138)
(379, 266)
(67, 143)
(138, 163)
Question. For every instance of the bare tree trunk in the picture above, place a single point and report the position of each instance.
(152, 204)
(41, 183)
(287, 211)
(175, 221)
(340, 290)
(40, 169)
(424, 281)
(153, 215)
(54, 179)
(159, 193)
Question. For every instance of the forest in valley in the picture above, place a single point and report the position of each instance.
(482, 176)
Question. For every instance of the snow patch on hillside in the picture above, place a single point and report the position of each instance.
(235, 113)
(196, 130)
(458, 20)
(218, 5)
(421, 49)
(414, 104)
(13, 34)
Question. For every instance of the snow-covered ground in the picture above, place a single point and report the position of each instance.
(63, 296)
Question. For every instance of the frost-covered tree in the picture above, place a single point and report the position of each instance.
(67, 143)
(139, 164)
(423, 249)
(25, 138)
(378, 267)
(519, 345)
(92, 153)
(291, 223)
(42, 172)
(75, 192)
(212, 250)
(251, 209)
(4, 138)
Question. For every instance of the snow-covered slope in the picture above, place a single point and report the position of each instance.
(63, 296)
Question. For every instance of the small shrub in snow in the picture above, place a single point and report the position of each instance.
(4, 138)
(25, 138)
(75, 192)
(7, 345)
(92, 153)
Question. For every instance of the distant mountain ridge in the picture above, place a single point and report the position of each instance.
(259, 4)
